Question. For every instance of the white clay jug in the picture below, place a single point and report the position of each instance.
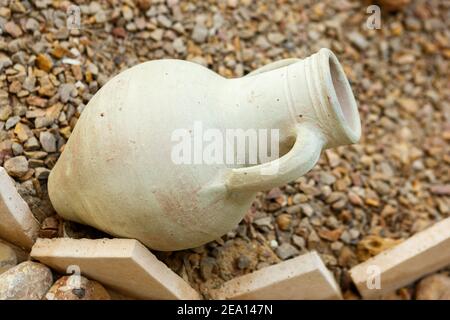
(117, 172)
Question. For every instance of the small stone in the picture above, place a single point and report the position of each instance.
(332, 236)
(409, 105)
(286, 251)
(200, 33)
(12, 122)
(32, 144)
(157, 35)
(355, 199)
(434, 287)
(17, 149)
(8, 258)
(299, 198)
(26, 281)
(307, 210)
(276, 38)
(48, 141)
(243, 262)
(264, 222)
(77, 287)
(273, 243)
(127, 13)
(441, 190)
(32, 25)
(284, 221)
(42, 122)
(41, 173)
(179, 46)
(358, 40)
(313, 241)
(119, 32)
(13, 29)
(144, 5)
(100, 17)
(37, 101)
(65, 91)
(164, 21)
(5, 112)
(44, 62)
(17, 166)
(298, 241)
(327, 178)
(333, 158)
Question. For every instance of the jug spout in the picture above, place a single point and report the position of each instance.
(320, 92)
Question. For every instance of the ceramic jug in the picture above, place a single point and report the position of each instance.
(117, 172)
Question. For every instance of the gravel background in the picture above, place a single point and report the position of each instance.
(358, 200)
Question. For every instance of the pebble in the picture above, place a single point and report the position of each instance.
(48, 141)
(26, 281)
(41, 173)
(65, 91)
(44, 62)
(276, 38)
(16, 166)
(32, 144)
(200, 33)
(298, 241)
(13, 29)
(12, 122)
(286, 251)
(358, 40)
(327, 178)
(77, 288)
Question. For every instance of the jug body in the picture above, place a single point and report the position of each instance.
(137, 165)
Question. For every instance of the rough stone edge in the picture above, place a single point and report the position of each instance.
(399, 260)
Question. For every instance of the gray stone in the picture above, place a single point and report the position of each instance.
(286, 251)
(48, 141)
(358, 40)
(32, 144)
(200, 33)
(42, 122)
(17, 149)
(298, 241)
(65, 91)
(164, 21)
(17, 166)
(327, 178)
(179, 46)
(276, 38)
(41, 173)
(11, 122)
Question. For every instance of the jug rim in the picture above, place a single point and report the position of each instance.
(340, 95)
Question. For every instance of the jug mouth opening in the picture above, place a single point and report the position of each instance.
(341, 97)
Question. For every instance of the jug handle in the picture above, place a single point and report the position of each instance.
(273, 66)
(299, 160)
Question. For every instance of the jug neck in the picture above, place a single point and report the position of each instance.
(293, 91)
(320, 92)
